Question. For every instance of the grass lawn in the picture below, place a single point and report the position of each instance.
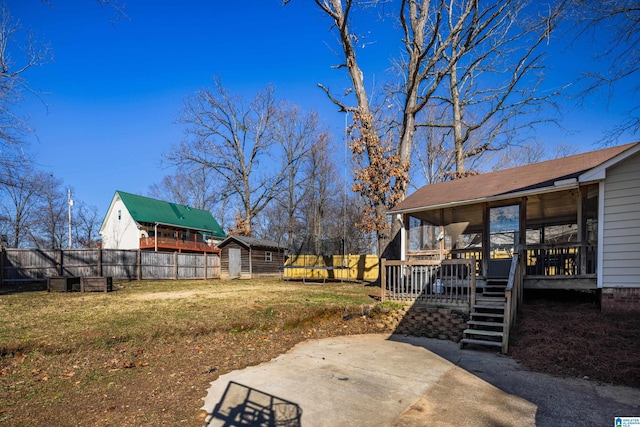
(145, 354)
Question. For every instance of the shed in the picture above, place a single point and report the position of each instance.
(245, 257)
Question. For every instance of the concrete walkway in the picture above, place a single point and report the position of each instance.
(382, 380)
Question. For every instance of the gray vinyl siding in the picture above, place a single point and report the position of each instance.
(621, 225)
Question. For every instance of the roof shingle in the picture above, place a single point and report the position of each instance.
(504, 182)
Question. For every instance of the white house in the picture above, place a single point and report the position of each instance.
(138, 222)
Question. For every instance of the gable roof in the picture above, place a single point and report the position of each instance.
(509, 182)
(252, 242)
(153, 211)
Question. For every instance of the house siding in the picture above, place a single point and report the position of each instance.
(120, 233)
(621, 225)
(262, 267)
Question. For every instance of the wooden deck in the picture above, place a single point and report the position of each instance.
(169, 244)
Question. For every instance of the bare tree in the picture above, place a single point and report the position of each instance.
(22, 189)
(51, 214)
(436, 37)
(321, 212)
(495, 66)
(299, 136)
(617, 22)
(13, 85)
(193, 186)
(431, 161)
(233, 138)
(533, 152)
(86, 225)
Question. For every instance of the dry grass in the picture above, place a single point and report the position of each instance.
(144, 354)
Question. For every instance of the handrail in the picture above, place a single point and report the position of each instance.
(513, 295)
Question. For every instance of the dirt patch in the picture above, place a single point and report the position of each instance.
(565, 334)
(171, 295)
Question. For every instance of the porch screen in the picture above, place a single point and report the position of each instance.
(503, 231)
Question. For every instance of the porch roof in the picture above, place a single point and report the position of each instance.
(508, 182)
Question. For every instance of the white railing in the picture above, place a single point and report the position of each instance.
(429, 281)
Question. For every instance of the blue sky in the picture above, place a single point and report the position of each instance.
(114, 89)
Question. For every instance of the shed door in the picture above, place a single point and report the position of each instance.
(235, 256)
(504, 235)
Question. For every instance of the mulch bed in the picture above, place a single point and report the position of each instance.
(565, 334)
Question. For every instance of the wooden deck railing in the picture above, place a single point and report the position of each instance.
(513, 295)
(565, 259)
(438, 282)
(168, 243)
(432, 255)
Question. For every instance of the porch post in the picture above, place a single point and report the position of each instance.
(522, 239)
(404, 231)
(485, 239)
(441, 233)
(582, 230)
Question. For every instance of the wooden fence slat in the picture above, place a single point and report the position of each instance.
(20, 265)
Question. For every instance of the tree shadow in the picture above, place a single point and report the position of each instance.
(16, 288)
(245, 406)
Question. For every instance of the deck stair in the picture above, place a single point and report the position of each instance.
(486, 323)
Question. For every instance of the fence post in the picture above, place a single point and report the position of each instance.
(100, 262)
(59, 261)
(204, 261)
(175, 266)
(3, 254)
(139, 264)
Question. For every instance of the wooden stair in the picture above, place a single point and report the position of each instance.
(486, 323)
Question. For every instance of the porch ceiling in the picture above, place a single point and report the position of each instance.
(554, 208)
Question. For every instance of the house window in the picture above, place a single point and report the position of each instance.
(268, 256)
(119, 214)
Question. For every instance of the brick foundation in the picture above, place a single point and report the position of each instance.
(620, 299)
(442, 323)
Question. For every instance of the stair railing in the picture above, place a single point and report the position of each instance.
(513, 295)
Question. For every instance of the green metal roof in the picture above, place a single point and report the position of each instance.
(148, 210)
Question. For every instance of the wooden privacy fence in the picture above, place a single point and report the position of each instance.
(23, 265)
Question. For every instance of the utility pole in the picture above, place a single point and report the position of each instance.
(70, 203)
